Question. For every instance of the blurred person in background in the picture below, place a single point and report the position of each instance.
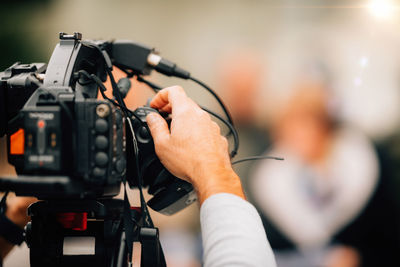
(240, 79)
(327, 204)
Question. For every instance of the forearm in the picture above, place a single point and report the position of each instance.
(233, 234)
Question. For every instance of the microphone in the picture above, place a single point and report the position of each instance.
(142, 59)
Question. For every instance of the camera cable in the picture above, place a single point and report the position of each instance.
(256, 158)
(169, 68)
(157, 88)
(232, 129)
(158, 259)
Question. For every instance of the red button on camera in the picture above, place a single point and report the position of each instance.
(41, 124)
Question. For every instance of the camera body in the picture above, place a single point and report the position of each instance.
(60, 132)
(65, 143)
(63, 129)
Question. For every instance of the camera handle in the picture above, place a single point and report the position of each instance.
(25, 185)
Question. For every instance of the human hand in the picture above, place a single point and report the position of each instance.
(193, 149)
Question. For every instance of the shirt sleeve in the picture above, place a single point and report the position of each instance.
(233, 234)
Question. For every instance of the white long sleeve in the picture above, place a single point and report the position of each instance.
(233, 234)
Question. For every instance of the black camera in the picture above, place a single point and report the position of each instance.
(63, 131)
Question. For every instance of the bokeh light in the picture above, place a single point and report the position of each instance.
(382, 9)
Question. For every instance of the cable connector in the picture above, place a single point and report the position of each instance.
(166, 67)
(141, 59)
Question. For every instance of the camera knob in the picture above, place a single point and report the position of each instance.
(101, 126)
(102, 110)
(143, 135)
(101, 159)
(99, 172)
(101, 142)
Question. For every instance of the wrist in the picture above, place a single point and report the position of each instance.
(12, 221)
(17, 214)
(217, 180)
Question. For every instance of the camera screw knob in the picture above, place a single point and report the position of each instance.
(102, 110)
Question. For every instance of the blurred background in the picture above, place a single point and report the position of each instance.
(316, 82)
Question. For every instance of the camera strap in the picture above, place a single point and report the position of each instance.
(148, 235)
(152, 253)
(129, 225)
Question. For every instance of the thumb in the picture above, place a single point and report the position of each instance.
(158, 127)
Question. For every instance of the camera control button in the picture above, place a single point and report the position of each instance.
(144, 133)
(101, 126)
(99, 172)
(135, 123)
(101, 142)
(101, 159)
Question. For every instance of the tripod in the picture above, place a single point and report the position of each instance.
(83, 232)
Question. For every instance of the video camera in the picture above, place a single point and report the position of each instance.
(67, 143)
(72, 150)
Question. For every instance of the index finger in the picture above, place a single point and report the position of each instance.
(173, 96)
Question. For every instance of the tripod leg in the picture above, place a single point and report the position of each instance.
(122, 257)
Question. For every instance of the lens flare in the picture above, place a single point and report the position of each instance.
(382, 9)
